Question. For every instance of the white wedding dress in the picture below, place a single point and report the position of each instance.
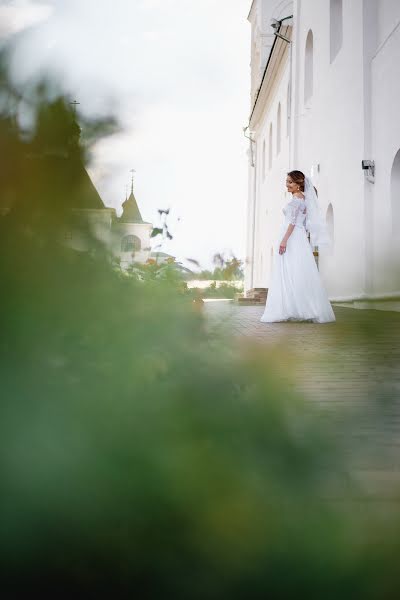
(296, 292)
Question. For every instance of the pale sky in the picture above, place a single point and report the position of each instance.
(176, 75)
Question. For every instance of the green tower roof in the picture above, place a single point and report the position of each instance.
(131, 212)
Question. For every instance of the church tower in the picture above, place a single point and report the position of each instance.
(131, 235)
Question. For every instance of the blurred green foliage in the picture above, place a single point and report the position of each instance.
(140, 455)
(224, 290)
(226, 268)
(167, 272)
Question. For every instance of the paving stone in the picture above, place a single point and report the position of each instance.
(348, 369)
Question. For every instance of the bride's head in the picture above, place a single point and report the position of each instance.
(295, 182)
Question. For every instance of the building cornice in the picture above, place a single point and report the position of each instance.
(251, 8)
(277, 56)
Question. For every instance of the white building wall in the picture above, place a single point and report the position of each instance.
(329, 132)
(386, 143)
(271, 190)
(388, 18)
(352, 115)
(262, 37)
(140, 230)
(249, 259)
(267, 194)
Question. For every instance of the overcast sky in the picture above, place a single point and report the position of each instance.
(176, 74)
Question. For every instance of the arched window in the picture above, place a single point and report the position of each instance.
(308, 68)
(336, 27)
(130, 243)
(330, 223)
(394, 192)
(270, 147)
(263, 160)
(278, 129)
(288, 110)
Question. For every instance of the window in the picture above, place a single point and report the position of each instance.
(395, 183)
(130, 243)
(278, 129)
(336, 26)
(270, 147)
(308, 69)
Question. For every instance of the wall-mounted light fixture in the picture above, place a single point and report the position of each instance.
(275, 24)
(368, 166)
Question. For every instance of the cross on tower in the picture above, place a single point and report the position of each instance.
(132, 171)
(74, 105)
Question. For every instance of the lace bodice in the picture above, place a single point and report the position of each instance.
(295, 212)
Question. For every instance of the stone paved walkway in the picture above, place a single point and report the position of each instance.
(349, 368)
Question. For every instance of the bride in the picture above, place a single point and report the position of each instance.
(296, 292)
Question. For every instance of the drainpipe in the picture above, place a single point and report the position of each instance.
(254, 216)
(253, 157)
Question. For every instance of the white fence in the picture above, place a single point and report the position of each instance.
(204, 283)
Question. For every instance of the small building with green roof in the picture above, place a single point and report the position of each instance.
(131, 235)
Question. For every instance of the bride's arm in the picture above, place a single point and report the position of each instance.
(282, 247)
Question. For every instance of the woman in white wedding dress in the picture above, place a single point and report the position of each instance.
(296, 292)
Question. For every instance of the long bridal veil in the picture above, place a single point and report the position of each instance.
(315, 223)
